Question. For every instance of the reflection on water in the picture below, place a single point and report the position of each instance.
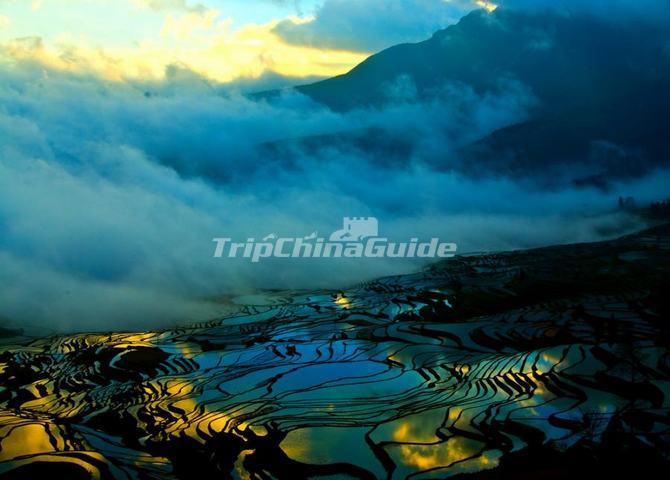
(430, 375)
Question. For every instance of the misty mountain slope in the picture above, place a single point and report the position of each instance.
(562, 59)
(622, 139)
(601, 90)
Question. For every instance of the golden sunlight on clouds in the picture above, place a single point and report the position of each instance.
(201, 42)
(185, 26)
(4, 21)
(489, 6)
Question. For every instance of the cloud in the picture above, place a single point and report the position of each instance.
(118, 167)
(167, 5)
(373, 24)
(111, 193)
(184, 27)
(210, 48)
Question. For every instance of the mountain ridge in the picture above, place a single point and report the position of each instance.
(597, 83)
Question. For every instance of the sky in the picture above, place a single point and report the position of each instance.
(110, 198)
(228, 40)
(221, 40)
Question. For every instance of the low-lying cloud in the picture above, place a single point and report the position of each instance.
(110, 194)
